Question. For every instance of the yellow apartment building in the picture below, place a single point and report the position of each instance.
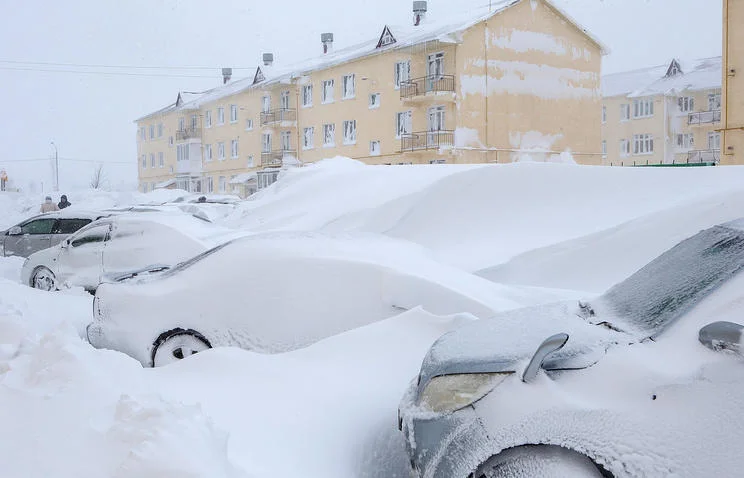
(733, 82)
(668, 114)
(520, 77)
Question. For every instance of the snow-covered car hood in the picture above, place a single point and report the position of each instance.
(506, 342)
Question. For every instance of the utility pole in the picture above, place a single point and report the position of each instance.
(56, 168)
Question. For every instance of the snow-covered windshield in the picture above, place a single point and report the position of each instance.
(673, 283)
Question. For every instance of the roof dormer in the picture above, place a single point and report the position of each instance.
(674, 69)
(386, 38)
(259, 77)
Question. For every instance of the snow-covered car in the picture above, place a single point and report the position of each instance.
(646, 380)
(272, 293)
(118, 245)
(44, 231)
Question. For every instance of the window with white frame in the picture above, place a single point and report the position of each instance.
(349, 86)
(182, 152)
(144, 187)
(403, 123)
(249, 162)
(604, 114)
(284, 100)
(221, 151)
(266, 143)
(643, 108)
(374, 101)
(143, 133)
(374, 148)
(234, 149)
(194, 121)
(307, 96)
(643, 144)
(350, 132)
(181, 124)
(686, 104)
(402, 73)
(286, 140)
(210, 184)
(308, 138)
(152, 160)
(714, 141)
(208, 152)
(604, 148)
(266, 104)
(208, 119)
(685, 141)
(160, 130)
(624, 112)
(161, 160)
(220, 115)
(329, 135)
(624, 147)
(327, 93)
(248, 124)
(222, 184)
(714, 101)
(152, 131)
(233, 113)
(144, 161)
(170, 141)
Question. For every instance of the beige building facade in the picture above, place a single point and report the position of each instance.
(493, 86)
(663, 115)
(732, 127)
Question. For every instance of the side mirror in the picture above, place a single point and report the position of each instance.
(722, 336)
(65, 244)
(549, 346)
(15, 231)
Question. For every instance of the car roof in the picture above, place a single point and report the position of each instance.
(73, 214)
(188, 224)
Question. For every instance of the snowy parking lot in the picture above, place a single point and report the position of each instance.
(501, 237)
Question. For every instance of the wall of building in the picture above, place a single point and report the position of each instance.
(733, 81)
(150, 148)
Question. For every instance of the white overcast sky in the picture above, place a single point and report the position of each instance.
(90, 116)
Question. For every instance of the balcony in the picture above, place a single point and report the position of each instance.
(278, 116)
(704, 117)
(426, 86)
(188, 133)
(427, 140)
(704, 156)
(275, 159)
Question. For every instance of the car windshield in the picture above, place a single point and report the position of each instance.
(673, 283)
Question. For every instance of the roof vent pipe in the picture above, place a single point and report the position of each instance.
(327, 40)
(419, 12)
(268, 59)
(226, 75)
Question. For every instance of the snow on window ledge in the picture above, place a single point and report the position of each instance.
(329, 145)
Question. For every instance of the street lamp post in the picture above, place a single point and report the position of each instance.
(56, 168)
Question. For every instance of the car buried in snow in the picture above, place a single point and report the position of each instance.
(645, 380)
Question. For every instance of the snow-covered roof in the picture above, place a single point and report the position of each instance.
(701, 74)
(166, 183)
(243, 178)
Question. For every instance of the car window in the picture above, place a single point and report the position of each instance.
(69, 226)
(38, 226)
(90, 236)
(676, 281)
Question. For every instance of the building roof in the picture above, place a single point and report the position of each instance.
(701, 74)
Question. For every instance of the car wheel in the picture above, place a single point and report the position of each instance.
(544, 461)
(176, 345)
(43, 279)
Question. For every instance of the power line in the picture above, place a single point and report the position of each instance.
(30, 160)
(105, 73)
(125, 67)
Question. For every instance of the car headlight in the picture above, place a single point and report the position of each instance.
(448, 393)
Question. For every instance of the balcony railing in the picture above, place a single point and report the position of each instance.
(274, 159)
(427, 84)
(277, 116)
(188, 133)
(704, 156)
(426, 140)
(704, 117)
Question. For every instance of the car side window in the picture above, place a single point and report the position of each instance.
(91, 236)
(38, 226)
(69, 226)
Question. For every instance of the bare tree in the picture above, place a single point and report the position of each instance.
(98, 178)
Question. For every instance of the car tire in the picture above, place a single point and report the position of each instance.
(176, 345)
(543, 461)
(43, 279)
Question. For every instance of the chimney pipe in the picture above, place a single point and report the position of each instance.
(419, 12)
(327, 40)
(226, 75)
(268, 59)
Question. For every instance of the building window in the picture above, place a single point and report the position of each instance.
(144, 187)
(374, 101)
(624, 147)
(208, 152)
(686, 104)
(604, 148)
(402, 73)
(327, 94)
(308, 138)
(266, 104)
(437, 118)
(233, 113)
(624, 112)
(714, 141)
(221, 151)
(349, 86)
(144, 161)
(161, 160)
(143, 133)
(604, 114)
(329, 135)
(267, 178)
(307, 96)
(685, 141)
(234, 149)
(403, 123)
(374, 148)
(643, 108)
(210, 184)
(249, 162)
(266, 143)
(182, 152)
(152, 131)
(643, 144)
(208, 118)
(284, 100)
(222, 184)
(160, 130)
(350, 132)
(714, 101)
(170, 141)
(181, 124)
(249, 125)
(286, 139)
(152, 160)
(220, 115)
(438, 161)
(194, 121)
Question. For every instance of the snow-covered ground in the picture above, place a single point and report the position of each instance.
(327, 410)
